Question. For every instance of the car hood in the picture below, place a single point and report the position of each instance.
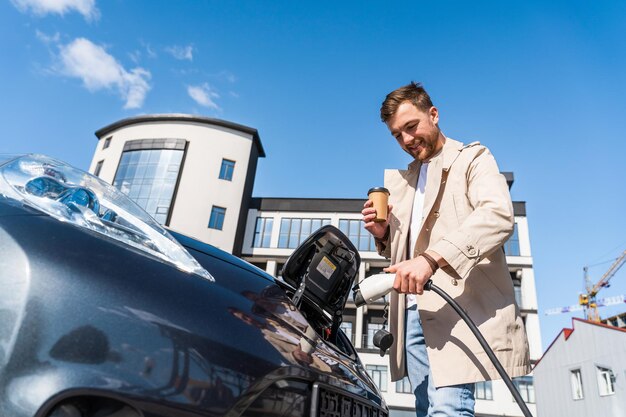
(266, 308)
(99, 315)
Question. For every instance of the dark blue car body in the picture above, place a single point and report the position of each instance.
(91, 327)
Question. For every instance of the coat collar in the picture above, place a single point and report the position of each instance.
(438, 165)
(404, 189)
(447, 155)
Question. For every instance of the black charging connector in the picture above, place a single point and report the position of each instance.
(383, 340)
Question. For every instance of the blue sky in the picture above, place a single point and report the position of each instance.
(540, 83)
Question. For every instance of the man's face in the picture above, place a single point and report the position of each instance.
(416, 131)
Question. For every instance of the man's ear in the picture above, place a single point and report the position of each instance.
(434, 114)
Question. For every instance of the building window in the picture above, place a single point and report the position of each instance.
(606, 380)
(516, 277)
(217, 218)
(511, 246)
(378, 373)
(107, 142)
(576, 380)
(261, 265)
(483, 390)
(145, 144)
(404, 386)
(346, 327)
(295, 231)
(279, 269)
(96, 171)
(227, 169)
(524, 385)
(355, 230)
(148, 177)
(372, 328)
(263, 232)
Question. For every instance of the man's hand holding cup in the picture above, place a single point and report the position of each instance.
(376, 212)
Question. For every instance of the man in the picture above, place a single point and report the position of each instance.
(449, 214)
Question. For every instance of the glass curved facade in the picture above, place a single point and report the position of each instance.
(148, 177)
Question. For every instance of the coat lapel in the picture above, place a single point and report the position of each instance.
(433, 183)
(438, 165)
(401, 185)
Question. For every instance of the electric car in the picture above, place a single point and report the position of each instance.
(104, 313)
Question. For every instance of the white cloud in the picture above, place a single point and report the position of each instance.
(203, 95)
(136, 87)
(47, 39)
(43, 7)
(135, 56)
(229, 76)
(181, 52)
(149, 51)
(223, 75)
(98, 70)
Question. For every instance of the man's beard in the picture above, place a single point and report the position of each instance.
(425, 151)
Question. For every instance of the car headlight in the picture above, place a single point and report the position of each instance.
(74, 196)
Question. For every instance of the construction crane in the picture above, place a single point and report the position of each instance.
(588, 301)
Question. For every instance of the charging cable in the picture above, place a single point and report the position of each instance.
(429, 286)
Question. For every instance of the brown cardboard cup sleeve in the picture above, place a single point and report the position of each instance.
(380, 198)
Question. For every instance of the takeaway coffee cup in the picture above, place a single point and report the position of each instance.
(380, 197)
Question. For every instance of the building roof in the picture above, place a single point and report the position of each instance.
(509, 177)
(346, 205)
(309, 204)
(567, 332)
(178, 117)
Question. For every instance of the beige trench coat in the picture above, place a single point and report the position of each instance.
(467, 217)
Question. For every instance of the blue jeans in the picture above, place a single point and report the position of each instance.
(454, 400)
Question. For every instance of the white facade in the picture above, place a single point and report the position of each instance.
(583, 372)
(207, 143)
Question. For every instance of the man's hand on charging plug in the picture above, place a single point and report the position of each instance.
(412, 275)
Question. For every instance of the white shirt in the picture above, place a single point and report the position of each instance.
(416, 219)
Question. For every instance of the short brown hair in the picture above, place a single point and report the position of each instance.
(413, 93)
